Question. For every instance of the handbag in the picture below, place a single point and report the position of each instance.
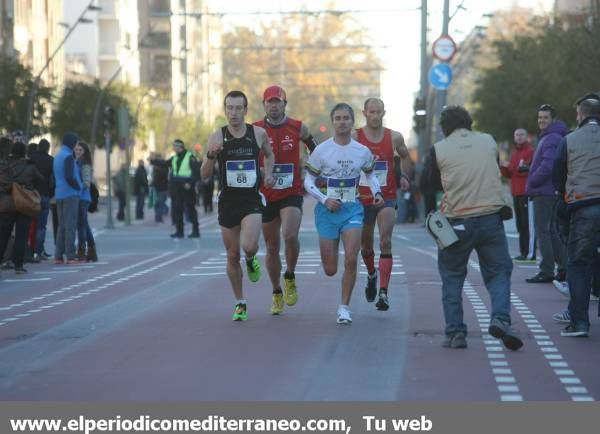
(95, 195)
(26, 201)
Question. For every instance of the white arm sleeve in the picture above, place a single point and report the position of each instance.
(373, 182)
(311, 188)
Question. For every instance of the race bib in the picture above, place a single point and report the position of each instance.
(283, 175)
(342, 189)
(380, 170)
(241, 174)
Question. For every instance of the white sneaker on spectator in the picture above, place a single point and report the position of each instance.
(562, 287)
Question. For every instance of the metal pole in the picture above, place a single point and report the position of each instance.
(423, 91)
(109, 219)
(36, 82)
(441, 94)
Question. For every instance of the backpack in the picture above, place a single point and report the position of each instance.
(93, 207)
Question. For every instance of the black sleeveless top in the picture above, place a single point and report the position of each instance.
(239, 172)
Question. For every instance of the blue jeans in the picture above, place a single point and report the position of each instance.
(486, 236)
(84, 233)
(583, 242)
(40, 235)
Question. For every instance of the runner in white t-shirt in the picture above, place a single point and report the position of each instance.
(335, 165)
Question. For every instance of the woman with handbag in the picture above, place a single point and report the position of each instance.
(83, 157)
(24, 177)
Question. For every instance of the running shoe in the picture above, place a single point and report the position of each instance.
(573, 331)
(277, 304)
(240, 313)
(563, 317)
(371, 289)
(343, 315)
(290, 291)
(253, 268)
(594, 297)
(383, 303)
(562, 287)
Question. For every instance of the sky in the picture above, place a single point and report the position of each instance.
(394, 25)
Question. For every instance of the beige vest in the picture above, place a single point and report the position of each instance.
(468, 163)
(583, 163)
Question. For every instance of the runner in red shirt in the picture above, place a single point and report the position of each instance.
(283, 212)
(384, 144)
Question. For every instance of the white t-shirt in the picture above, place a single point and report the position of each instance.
(339, 167)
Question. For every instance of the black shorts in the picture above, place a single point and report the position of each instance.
(233, 209)
(371, 212)
(272, 209)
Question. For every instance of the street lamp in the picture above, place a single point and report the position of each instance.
(36, 82)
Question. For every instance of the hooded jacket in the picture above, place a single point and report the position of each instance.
(68, 179)
(539, 182)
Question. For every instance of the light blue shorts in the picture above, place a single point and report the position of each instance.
(331, 224)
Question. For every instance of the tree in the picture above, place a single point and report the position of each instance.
(15, 86)
(75, 108)
(325, 59)
(550, 67)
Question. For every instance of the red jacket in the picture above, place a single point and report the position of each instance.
(518, 179)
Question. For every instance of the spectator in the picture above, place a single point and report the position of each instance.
(24, 173)
(43, 163)
(160, 183)
(517, 170)
(539, 185)
(140, 186)
(577, 175)
(120, 184)
(68, 189)
(87, 246)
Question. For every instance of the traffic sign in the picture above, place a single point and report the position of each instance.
(444, 48)
(440, 76)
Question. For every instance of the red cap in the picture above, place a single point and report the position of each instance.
(274, 92)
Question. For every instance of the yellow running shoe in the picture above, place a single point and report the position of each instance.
(253, 269)
(277, 305)
(289, 289)
(240, 313)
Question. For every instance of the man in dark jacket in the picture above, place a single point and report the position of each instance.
(160, 183)
(539, 186)
(577, 175)
(184, 176)
(43, 163)
(140, 187)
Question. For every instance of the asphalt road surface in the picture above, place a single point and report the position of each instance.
(151, 321)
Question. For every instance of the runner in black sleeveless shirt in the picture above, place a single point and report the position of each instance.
(236, 149)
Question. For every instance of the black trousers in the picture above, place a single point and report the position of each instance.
(21, 224)
(183, 199)
(522, 222)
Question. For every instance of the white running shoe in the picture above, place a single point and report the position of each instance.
(343, 315)
(562, 287)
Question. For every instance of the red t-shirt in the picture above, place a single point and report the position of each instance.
(285, 141)
(384, 166)
(518, 180)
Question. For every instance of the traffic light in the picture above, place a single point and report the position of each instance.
(109, 118)
(420, 116)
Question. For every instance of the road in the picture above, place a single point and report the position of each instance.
(151, 321)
